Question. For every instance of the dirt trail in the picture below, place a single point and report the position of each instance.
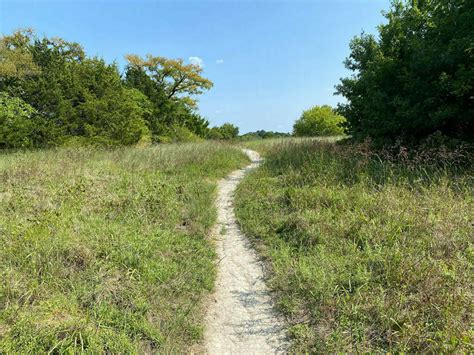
(241, 318)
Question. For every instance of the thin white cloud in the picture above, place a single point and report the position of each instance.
(196, 61)
(219, 61)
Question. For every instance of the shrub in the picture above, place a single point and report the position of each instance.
(319, 121)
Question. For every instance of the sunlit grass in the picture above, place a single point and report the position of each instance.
(107, 251)
(369, 251)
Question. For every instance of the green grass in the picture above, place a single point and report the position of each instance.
(265, 146)
(106, 251)
(368, 251)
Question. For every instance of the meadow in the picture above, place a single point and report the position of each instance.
(107, 250)
(367, 251)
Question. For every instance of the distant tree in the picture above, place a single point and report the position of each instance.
(319, 121)
(215, 133)
(262, 134)
(229, 131)
(226, 131)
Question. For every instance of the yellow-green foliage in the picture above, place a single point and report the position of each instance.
(369, 251)
(319, 121)
(106, 251)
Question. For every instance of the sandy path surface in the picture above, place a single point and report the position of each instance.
(241, 318)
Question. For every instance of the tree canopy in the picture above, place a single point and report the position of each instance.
(226, 131)
(416, 77)
(61, 95)
(176, 79)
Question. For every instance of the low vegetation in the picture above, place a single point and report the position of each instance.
(107, 250)
(369, 251)
(262, 134)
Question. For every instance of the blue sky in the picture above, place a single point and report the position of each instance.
(269, 60)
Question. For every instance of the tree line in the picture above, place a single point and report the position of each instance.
(52, 93)
(414, 79)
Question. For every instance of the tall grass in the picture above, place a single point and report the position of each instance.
(370, 251)
(106, 251)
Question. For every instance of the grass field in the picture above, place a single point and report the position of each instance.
(368, 252)
(106, 251)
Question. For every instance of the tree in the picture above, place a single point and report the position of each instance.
(176, 79)
(171, 86)
(262, 134)
(117, 117)
(226, 131)
(417, 77)
(16, 123)
(72, 95)
(319, 121)
(77, 98)
(16, 60)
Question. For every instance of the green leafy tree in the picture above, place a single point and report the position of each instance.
(226, 131)
(178, 81)
(16, 122)
(171, 86)
(416, 77)
(74, 95)
(319, 121)
(16, 59)
(229, 131)
(77, 98)
(115, 118)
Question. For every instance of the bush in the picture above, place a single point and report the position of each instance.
(319, 121)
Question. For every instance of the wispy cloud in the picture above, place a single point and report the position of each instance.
(219, 61)
(196, 61)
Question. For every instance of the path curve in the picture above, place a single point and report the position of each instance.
(241, 318)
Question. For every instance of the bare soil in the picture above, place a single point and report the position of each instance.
(241, 318)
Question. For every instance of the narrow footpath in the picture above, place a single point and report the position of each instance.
(241, 318)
